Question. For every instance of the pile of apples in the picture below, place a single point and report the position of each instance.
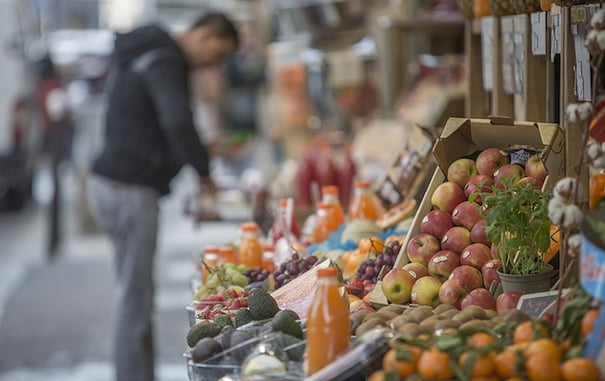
(451, 260)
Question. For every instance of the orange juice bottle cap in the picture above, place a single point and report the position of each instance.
(282, 202)
(323, 205)
(328, 272)
(329, 189)
(362, 184)
(250, 227)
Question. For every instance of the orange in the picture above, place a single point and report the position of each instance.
(588, 321)
(508, 364)
(542, 367)
(482, 366)
(492, 378)
(370, 245)
(528, 331)
(435, 364)
(553, 248)
(545, 347)
(580, 369)
(377, 376)
(480, 339)
(403, 367)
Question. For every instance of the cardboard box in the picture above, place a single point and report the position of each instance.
(462, 137)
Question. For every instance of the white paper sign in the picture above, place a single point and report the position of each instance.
(487, 52)
(538, 33)
(508, 55)
(555, 40)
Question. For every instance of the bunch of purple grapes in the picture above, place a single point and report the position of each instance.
(370, 268)
(256, 274)
(292, 269)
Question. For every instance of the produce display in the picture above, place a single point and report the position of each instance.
(451, 259)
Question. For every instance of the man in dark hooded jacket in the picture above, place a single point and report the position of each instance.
(149, 136)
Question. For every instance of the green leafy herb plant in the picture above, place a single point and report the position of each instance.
(517, 223)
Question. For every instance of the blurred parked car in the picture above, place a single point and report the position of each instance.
(20, 135)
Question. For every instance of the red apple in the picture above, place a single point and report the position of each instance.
(426, 291)
(479, 297)
(534, 167)
(422, 247)
(418, 270)
(494, 251)
(397, 285)
(476, 255)
(478, 184)
(456, 239)
(461, 170)
(436, 223)
(490, 159)
(490, 272)
(471, 277)
(452, 292)
(478, 234)
(512, 172)
(443, 263)
(507, 300)
(537, 183)
(447, 196)
(466, 214)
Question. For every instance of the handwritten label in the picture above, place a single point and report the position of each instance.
(535, 304)
(538, 33)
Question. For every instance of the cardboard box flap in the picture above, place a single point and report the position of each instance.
(462, 137)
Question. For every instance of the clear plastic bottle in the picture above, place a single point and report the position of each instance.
(268, 258)
(327, 322)
(250, 251)
(363, 204)
(330, 195)
(286, 213)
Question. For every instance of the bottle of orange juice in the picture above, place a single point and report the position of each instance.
(363, 205)
(327, 322)
(250, 251)
(268, 262)
(330, 196)
(596, 193)
(226, 254)
(324, 224)
(211, 259)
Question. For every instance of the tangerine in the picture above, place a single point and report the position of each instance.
(405, 367)
(544, 346)
(508, 364)
(369, 245)
(580, 369)
(480, 339)
(482, 366)
(528, 331)
(435, 364)
(588, 321)
(542, 367)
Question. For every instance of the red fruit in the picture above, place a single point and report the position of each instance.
(490, 272)
(478, 234)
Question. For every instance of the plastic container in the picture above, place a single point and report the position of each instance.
(211, 258)
(330, 195)
(226, 254)
(268, 258)
(324, 225)
(327, 322)
(250, 251)
(363, 204)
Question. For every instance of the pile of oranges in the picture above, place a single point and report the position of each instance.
(525, 353)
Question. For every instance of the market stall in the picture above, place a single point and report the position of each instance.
(423, 273)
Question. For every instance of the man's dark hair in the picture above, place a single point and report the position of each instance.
(222, 26)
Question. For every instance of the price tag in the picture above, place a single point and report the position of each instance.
(537, 303)
(580, 16)
(538, 33)
(508, 54)
(487, 52)
(555, 40)
(519, 33)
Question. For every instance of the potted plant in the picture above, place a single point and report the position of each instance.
(517, 222)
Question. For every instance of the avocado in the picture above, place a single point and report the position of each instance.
(294, 348)
(242, 317)
(223, 321)
(261, 304)
(287, 324)
(201, 330)
(204, 349)
(226, 336)
(288, 312)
